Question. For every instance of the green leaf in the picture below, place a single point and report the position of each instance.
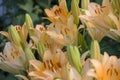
(28, 6)
(98, 1)
(19, 20)
(44, 3)
(82, 43)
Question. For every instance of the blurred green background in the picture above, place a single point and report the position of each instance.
(13, 11)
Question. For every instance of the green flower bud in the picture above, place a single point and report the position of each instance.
(116, 7)
(14, 35)
(74, 58)
(29, 23)
(29, 53)
(84, 4)
(75, 10)
(95, 50)
(41, 49)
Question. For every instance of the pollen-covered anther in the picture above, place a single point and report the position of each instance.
(58, 12)
(18, 27)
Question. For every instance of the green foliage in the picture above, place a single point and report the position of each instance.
(110, 46)
(6, 76)
(97, 1)
(15, 10)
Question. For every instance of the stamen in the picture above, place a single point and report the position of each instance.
(44, 64)
(51, 63)
(103, 6)
(18, 27)
(116, 72)
(67, 30)
(48, 64)
(58, 12)
(2, 57)
(95, 11)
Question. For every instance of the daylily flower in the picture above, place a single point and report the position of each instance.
(23, 32)
(107, 69)
(62, 30)
(58, 13)
(94, 32)
(40, 33)
(57, 35)
(95, 17)
(20, 32)
(12, 59)
(68, 32)
(56, 67)
(63, 25)
(52, 67)
(103, 18)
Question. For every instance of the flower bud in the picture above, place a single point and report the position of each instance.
(84, 4)
(41, 49)
(14, 35)
(75, 10)
(29, 23)
(74, 58)
(95, 50)
(29, 53)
